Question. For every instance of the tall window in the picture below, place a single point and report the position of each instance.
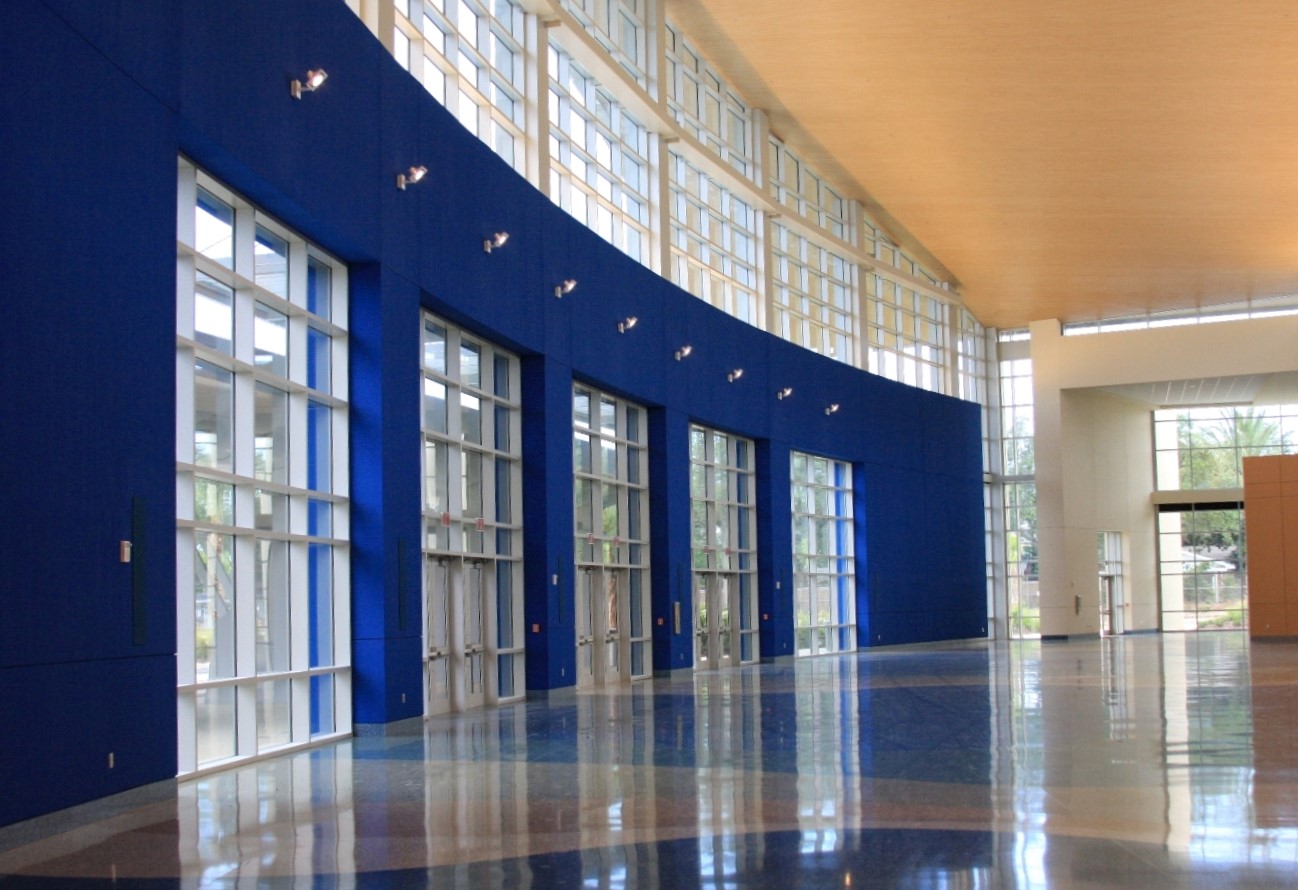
(1202, 555)
(813, 295)
(824, 565)
(714, 241)
(581, 125)
(611, 538)
(724, 548)
(599, 163)
(704, 104)
(1019, 490)
(619, 27)
(473, 609)
(263, 634)
(906, 330)
(797, 187)
(469, 55)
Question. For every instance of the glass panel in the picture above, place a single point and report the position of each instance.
(581, 452)
(434, 406)
(274, 724)
(270, 340)
(213, 501)
(270, 510)
(214, 605)
(214, 228)
(471, 485)
(502, 432)
(319, 518)
(470, 418)
(608, 417)
(215, 715)
(320, 604)
(470, 364)
(318, 345)
(213, 314)
(608, 458)
(504, 510)
(322, 704)
(434, 347)
(505, 668)
(319, 440)
(435, 477)
(502, 377)
(582, 505)
(505, 605)
(213, 417)
(270, 431)
(319, 288)
(270, 262)
(581, 408)
(272, 606)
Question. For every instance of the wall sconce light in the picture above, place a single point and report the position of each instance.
(309, 84)
(496, 240)
(626, 324)
(734, 375)
(784, 393)
(684, 351)
(411, 176)
(832, 408)
(565, 287)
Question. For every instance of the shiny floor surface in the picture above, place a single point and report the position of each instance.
(1143, 761)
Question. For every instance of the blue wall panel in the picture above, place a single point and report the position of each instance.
(99, 98)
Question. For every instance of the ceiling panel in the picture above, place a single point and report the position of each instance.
(1058, 159)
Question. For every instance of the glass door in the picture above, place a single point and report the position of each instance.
(610, 539)
(586, 661)
(715, 634)
(437, 635)
(472, 537)
(723, 545)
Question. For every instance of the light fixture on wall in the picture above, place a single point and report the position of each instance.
(496, 240)
(626, 324)
(831, 408)
(734, 375)
(784, 393)
(565, 287)
(411, 176)
(684, 351)
(309, 84)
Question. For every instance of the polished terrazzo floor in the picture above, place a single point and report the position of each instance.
(1142, 761)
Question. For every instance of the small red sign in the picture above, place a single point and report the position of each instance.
(482, 523)
(446, 519)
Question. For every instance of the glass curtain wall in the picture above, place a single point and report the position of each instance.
(724, 548)
(611, 538)
(612, 110)
(473, 581)
(469, 55)
(263, 597)
(1202, 550)
(599, 158)
(824, 565)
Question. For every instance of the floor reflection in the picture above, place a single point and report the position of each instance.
(1144, 761)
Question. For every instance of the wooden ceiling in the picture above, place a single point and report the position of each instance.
(1070, 159)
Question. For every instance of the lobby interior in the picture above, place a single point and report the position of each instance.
(891, 666)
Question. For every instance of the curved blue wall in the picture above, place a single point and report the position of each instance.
(98, 98)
